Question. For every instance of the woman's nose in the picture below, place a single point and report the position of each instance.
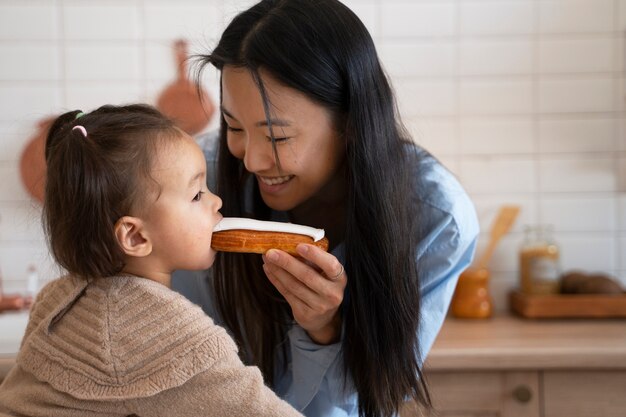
(259, 155)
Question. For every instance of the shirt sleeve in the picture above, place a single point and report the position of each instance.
(447, 252)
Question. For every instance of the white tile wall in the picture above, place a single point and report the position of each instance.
(20, 101)
(576, 16)
(524, 100)
(418, 19)
(621, 172)
(23, 61)
(87, 95)
(367, 10)
(497, 17)
(80, 25)
(591, 252)
(496, 57)
(583, 213)
(577, 95)
(102, 61)
(498, 174)
(497, 136)
(36, 20)
(486, 96)
(621, 215)
(197, 20)
(406, 58)
(426, 97)
(577, 173)
(438, 135)
(487, 209)
(577, 55)
(581, 134)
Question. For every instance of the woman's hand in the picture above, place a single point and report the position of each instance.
(313, 287)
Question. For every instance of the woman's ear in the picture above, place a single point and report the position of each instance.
(132, 237)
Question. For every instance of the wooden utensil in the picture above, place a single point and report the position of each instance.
(182, 101)
(505, 219)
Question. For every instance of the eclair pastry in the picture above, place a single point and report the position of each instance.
(234, 234)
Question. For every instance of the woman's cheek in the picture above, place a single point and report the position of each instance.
(236, 147)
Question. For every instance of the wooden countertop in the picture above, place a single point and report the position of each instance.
(493, 344)
(12, 327)
(513, 343)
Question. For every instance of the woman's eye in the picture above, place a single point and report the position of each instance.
(233, 129)
(278, 140)
(198, 196)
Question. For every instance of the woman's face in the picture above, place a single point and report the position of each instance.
(309, 149)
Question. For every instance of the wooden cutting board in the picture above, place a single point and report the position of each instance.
(568, 306)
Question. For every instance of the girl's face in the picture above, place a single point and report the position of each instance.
(180, 222)
(309, 149)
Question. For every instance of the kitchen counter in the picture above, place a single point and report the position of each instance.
(12, 327)
(512, 367)
(513, 343)
(502, 366)
(498, 343)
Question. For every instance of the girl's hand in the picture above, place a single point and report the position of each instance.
(313, 287)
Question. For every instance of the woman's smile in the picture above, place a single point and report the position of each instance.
(275, 180)
(272, 185)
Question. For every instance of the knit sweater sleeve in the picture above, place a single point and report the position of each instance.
(227, 389)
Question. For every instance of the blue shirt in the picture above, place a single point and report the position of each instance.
(314, 381)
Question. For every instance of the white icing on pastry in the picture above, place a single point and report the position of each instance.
(240, 223)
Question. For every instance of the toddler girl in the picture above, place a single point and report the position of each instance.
(126, 203)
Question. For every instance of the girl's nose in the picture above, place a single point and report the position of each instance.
(217, 202)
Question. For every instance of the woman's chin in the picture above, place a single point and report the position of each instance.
(277, 203)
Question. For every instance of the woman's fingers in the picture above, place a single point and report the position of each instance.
(308, 273)
(313, 285)
(289, 286)
(330, 265)
(306, 282)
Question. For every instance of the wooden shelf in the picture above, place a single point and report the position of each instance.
(568, 306)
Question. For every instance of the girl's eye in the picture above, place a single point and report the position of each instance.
(198, 196)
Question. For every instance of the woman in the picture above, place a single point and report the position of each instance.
(310, 134)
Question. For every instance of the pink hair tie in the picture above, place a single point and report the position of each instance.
(82, 129)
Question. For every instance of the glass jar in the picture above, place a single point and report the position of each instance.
(471, 297)
(539, 261)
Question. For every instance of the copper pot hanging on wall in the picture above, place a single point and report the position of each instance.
(33, 161)
(188, 105)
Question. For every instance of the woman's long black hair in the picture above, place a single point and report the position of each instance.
(320, 48)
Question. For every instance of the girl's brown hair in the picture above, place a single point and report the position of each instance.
(94, 180)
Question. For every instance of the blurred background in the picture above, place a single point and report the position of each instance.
(522, 99)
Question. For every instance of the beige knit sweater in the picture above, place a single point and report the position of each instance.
(125, 346)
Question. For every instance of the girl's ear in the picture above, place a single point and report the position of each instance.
(132, 237)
